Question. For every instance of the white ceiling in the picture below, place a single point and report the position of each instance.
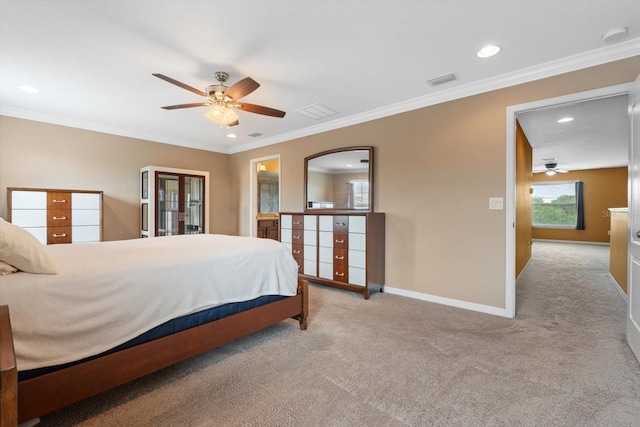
(597, 137)
(93, 60)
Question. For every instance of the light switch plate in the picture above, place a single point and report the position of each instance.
(496, 203)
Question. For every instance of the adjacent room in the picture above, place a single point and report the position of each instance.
(277, 213)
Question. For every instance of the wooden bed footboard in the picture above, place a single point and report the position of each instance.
(25, 400)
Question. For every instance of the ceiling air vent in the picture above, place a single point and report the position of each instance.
(255, 134)
(316, 111)
(442, 79)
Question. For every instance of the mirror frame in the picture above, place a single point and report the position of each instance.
(340, 210)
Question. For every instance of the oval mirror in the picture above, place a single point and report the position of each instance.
(339, 180)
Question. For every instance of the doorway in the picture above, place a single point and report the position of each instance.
(512, 112)
(264, 192)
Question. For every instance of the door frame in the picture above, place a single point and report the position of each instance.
(253, 189)
(510, 221)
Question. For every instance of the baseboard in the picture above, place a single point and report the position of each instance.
(496, 311)
(580, 242)
(618, 288)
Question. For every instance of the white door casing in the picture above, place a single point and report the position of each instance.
(633, 265)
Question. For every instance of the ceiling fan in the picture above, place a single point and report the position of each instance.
(552, 168)
(224, 99)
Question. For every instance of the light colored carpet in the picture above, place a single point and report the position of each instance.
(394, 361)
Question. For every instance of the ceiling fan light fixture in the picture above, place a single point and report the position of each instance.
(550, 173)
(488, 51)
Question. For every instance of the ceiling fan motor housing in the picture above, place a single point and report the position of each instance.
(551, 165)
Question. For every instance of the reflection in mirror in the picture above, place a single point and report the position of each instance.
(339, 180)
(268, 187)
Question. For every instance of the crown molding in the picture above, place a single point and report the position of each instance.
(548, 69)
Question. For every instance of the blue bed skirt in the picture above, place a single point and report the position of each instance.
(167, 328)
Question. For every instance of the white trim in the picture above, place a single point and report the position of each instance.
(510, 251)
(253, 194)
(615, 284)
(579, 242)
(496, 311)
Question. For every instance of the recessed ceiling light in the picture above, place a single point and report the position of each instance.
(488, 51)
(615, 35)
(565, 119)
(28, 89)
(349, 165)
(232, 135)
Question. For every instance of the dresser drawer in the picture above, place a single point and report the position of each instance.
(28, 200)
(85, 233)
(341, 240)
(29, 218)
(341, 273)
(297, 222)
(58, 218)
(341, 224)
(58, 235)
(58, 201)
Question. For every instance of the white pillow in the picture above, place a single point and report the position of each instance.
(22, 250)
(6, 269)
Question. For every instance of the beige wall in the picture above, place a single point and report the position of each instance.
(603, 189)
(35, 154)
(435, 169)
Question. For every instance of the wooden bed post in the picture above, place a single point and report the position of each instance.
(303, 288)
(8, 373)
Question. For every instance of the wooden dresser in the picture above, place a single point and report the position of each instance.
(57, 216)
(344, 251)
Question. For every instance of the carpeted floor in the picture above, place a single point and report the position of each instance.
(394, 361)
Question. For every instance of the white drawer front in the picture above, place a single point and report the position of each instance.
(28, 200)
(326, 239)
(325, 270)
(285, 221)
(85, 217)
(357, 259)
(40, 233)
(85, 201)
(90, 233)
(326, 255)
(357, 276)
(309, 268)
(310, 253)
(29, 218)
(310, 237)
(357, 242)
(357, 224)
(310, 222)
(285, 236)
(326, 223)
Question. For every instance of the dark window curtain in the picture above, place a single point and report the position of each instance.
(579, 205)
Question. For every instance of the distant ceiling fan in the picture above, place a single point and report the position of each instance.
(224, 99)
(552, 168)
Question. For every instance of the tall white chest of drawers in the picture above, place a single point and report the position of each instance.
(344, 250)
(57, 216)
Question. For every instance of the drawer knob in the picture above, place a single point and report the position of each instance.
(59, 217)
(297, 222)
(297, 251)
(339, 274)
(59, 201)
(340, 224)
(339, 257)
(339, 241)
(60, 235)
(296, 237)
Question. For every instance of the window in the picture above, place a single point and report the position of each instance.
(360, 191)
(555, 205)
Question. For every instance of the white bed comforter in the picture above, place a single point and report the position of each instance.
(107, 293)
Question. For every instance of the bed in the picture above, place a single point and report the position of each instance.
(116, 311)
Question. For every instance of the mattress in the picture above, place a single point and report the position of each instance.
(108, 293)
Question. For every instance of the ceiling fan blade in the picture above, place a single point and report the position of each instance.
(561, 171)
(236, 123)
(259, 109)
(242, 88)
(180, 84)
(193, 104)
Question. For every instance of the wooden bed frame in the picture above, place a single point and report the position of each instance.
(29, 399)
